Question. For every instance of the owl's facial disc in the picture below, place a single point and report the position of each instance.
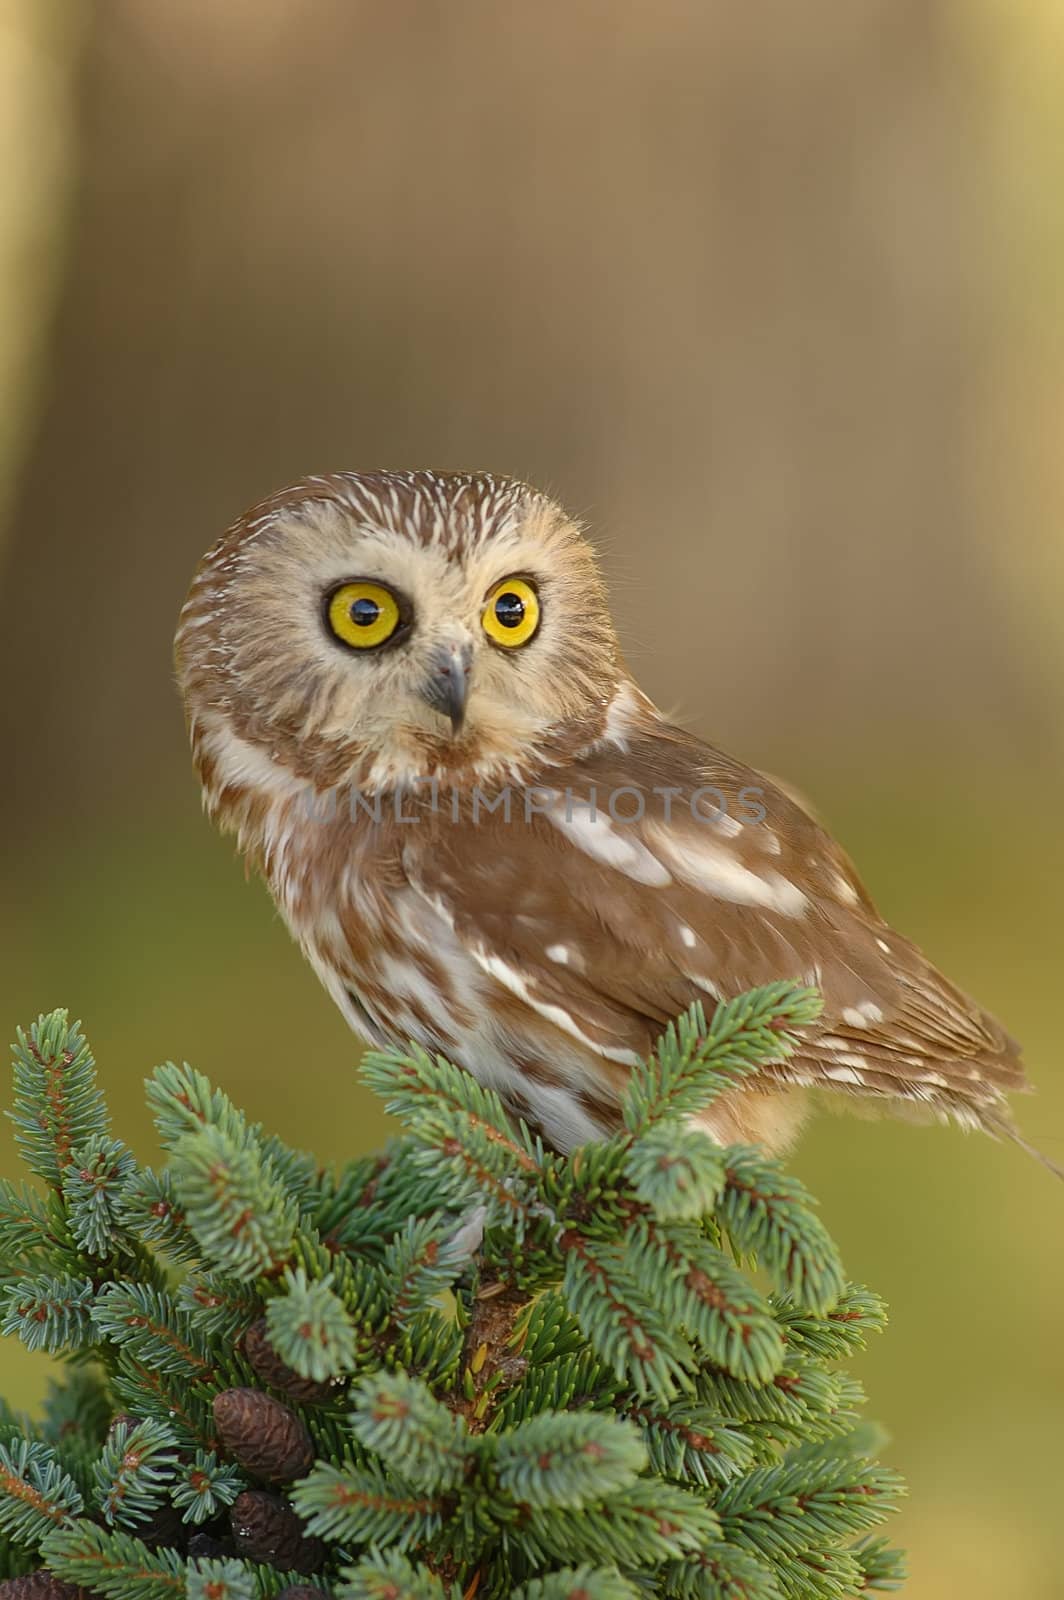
(397, 626)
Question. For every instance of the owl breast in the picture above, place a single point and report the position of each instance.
(400, 973)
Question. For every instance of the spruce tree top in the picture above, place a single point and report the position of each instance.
(466, 1367)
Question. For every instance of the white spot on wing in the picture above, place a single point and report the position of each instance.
(596, 836)
(844, 889)
(714, 868)
(859, 1016)
(558, 953)
(512, 980)
(709, 986)
(843, 1075)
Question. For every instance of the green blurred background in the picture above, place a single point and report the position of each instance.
(774, 296)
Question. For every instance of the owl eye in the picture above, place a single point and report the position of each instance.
(363, 615)
(511, 614)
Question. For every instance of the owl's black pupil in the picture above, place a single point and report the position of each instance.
(364, 613)
(510, 610)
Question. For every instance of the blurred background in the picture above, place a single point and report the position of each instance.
(773, 296)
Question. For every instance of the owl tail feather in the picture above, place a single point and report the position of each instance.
(997, 1124)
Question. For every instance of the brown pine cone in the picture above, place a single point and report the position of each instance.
(262, 1435)
(41, 1585)
(277, 1373)
(266, 1529)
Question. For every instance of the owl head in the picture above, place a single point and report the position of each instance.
(383, 627)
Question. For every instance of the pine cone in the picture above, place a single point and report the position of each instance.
(266, 1529)
(300, 1591)
(262, 1435)
(41, 1585)
(277, 1373)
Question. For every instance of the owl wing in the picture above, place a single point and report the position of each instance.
(661, 872)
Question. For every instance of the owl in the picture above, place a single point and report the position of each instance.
(406, 698)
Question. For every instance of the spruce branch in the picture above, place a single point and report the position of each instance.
(579, 1583)
(398, 1419)
(362, 1506)
(114, 1564)
(204, 1486)
(214, 1578)
(795, 1507)
(33, 1228)
(700, 1291)
(568, 1459)
(676, 1171)
(57, 1103)
(242, 1217)
(36, 1495)
(93, 1183)
(626, 1329)
(310, 1328)
(385, 1575)
(52, 1314)
(637, 1527)
(135, 1471)
(146, 1323)
(77, 1409)
(770, 1215)
(467, 1367)
(695, 1061)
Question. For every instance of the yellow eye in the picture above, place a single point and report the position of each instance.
(511, 615)
(363, 615)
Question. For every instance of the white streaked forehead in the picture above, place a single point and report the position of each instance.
(456, 511)
(322, 543)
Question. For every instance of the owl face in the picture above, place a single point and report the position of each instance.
(399, 625)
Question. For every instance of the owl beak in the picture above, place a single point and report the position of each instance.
(446, 689)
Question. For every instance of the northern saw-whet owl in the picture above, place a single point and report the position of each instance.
(406, 697)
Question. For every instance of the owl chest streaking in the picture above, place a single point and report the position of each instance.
(406, 697)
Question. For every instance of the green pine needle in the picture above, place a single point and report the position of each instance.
(696, 1061)
(568, 1459)
(770, 1216)
(363, 1506)
(135, 1471)
(678, 1172)
(36, 1495)
(93, 1188)
(225, 1578)
(579, 1583)
(397, 1418)
(57, 1103)
(388, 1576)
(114, 1564)
(204, 1486)
(310, 1329)
(233, 1203)
(52, 1314)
